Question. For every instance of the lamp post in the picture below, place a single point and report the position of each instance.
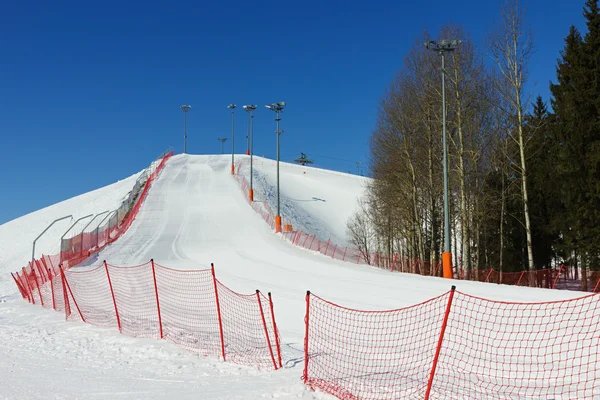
(277, 108)
(442, 47)
(185, 109)
(232, 107)
(222, 140)
(249, 109)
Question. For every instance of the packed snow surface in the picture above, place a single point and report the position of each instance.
(196, 214)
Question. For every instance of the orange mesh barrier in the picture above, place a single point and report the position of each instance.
(191, 309)
(455, 346)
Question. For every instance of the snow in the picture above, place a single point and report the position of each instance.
(196, 214)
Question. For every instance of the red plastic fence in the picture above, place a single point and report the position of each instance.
(40, 270)
(455, 346)
(191, 309)
(545, 278)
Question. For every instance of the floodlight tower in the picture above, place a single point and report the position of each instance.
(222, 140)
(185, 109)
(250, 109)
(232, 107)
(442, 47)
(277, 108)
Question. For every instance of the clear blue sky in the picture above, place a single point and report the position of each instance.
(90, 91)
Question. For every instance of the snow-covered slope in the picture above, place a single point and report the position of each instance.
(196, 214)
(314, 200)
(16, 236)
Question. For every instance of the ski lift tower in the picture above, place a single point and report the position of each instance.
(303, 160)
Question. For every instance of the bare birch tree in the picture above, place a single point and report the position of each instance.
(511, 47)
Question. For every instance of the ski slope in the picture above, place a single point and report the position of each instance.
(196, 214)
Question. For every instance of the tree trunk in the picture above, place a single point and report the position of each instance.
(525, 196)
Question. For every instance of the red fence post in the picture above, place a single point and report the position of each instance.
(334, 249)
(26, 277)
(112, 293)
(276, 331)
(344, 256)
(305, 372)
(304, 243)
(52, 288)
(487, 278)
(440, 340)
(262, 314)
(24, 285)
(70, 291)
(327, 247)
(18, 285)
(311, 242)
(596, 287)
(557, 277)
(38, 286)
(212, 267)
(65, 294)
(520, 277)
(157, 302)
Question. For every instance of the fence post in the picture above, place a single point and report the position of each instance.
(112, 293)
(520, 277)
(276, 331)
(18, 285)
(41, 273)
(311, 242)
(344, 256)
(38, 286)
(557, 277)
(157, 302)
(212, 267)
(23, 285)
(305, 372)
(70, 291)
(596, 287)
(304, 243)
(487, 278)
(440, 340)
(65, 294)
(327, 247)
(262, 314)
(26, 277)
(52, 288)
(334, 249)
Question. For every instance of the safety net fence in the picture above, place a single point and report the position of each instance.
(455, 346)
(190, 308)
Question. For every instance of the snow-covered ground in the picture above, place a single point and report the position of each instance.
(196, 214)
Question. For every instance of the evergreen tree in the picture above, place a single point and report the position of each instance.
(576, 104)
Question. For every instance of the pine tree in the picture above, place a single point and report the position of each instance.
(576, 104)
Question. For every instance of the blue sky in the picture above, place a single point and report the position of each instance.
(90, 91)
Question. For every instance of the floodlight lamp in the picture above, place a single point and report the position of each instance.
(232, 106)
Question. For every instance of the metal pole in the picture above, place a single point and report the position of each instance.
(250, 138)
(97, 215)
(44, 231)
(232, 141)
(446, 207)
(278, 133)
(67, 231)
(184, 132)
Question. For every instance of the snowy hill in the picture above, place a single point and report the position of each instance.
(196, 214)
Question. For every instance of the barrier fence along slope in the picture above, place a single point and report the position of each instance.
(455, 346)
(189, 308)
(37, 272)
(545, 278)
